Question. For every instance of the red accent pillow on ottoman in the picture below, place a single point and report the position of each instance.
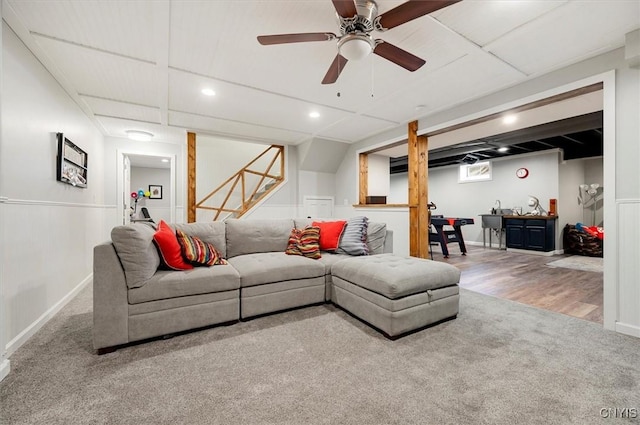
(330, 232)
(169, 247)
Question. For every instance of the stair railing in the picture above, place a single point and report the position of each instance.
(249, 198)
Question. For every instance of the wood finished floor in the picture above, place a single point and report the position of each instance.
(527, 279)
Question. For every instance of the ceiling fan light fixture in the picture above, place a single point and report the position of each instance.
(141, 136)
(355, 46)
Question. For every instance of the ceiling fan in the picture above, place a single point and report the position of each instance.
(357, 19)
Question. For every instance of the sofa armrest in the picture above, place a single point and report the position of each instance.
(388, 243)
(110, 304)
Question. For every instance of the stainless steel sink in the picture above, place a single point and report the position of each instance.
(492, 221)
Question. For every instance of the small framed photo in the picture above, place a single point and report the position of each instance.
(155, 191)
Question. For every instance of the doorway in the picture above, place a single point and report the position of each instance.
(607, 82)
(152, 178)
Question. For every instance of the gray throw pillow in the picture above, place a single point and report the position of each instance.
(376, 234)
(354, 237)
(137, 252)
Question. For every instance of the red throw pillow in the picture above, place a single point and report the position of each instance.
(330, 232)
(167, 243)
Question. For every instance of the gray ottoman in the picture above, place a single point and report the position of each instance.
(396, 294)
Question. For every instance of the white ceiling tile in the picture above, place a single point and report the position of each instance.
(247, 105)
(111, 108)
(100, 74)
(568, 34)
(146, 60)
(485, 21)
(117, 127)
(351, 130)
(232, 129)
(470, 77)
(124, 27)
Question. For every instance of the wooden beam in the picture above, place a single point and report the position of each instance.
(364, 179)
(191, 177)
(418, 175)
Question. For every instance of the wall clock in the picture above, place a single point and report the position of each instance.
(522, 173)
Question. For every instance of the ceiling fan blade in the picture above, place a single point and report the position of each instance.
(410, 10)
(345, 8)
(398, 56)
(295, 38)
(335, 69)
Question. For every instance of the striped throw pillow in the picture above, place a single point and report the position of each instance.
(354, 237)
(198, 252)
(305, 242)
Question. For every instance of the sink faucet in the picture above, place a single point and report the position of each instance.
(499, 205)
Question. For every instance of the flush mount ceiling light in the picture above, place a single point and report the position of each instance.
(356, 46)
(142, 136)
(208, 92)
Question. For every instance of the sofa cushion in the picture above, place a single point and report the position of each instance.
(137, 252)
(305, 242)
(169, 247)
(330, 233)
(198, 252)
(200, 280)
(270, 267)
(354, 238)
(213, 232)
(396, 277)
(256, 236)
(329, 259)
(376, 235)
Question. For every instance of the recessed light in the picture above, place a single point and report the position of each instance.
(503, 149)
(164, 160)
(142, 136)
(509, 119)
(208, 92)
(314, 114)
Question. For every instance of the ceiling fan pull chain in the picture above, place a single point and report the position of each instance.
(372, 76)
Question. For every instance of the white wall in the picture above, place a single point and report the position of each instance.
(141, 178)
(378, 173)
(571, 176)
(50, 226)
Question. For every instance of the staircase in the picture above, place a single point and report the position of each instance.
(247, 187)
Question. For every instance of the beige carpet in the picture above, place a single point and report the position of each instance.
(579, 262)
(499, 362)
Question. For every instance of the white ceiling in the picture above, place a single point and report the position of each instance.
(141, 64)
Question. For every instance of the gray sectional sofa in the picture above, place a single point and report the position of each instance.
(134, 300)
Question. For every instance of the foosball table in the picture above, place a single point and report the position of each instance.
(444, 236)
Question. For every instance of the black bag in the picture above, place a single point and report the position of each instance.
(580, 243)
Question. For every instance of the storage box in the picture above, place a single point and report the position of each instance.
(376, 199)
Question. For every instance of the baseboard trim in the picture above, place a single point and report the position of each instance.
(627, 329)
(4, 369)
(528, 251)
(24, 336)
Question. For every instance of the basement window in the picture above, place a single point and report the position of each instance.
(476, 172)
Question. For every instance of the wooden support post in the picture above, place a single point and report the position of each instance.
(363, 191)
(191, 177)
(418, 192)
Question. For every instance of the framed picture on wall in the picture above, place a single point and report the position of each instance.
(155, 191)
(71, 163)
